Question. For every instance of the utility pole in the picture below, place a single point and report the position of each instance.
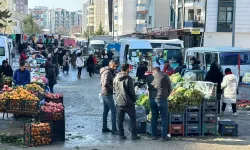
(233, 27)
(113, 24)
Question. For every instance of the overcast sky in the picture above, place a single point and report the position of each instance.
(71, 5)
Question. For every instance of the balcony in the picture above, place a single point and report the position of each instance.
(172, 24)
(141, 8)
(90, 24)
(91, 7)
(141, 21)
(142, 2)
(224, 27)
(194, 24)
(195, 3)
(173, 2)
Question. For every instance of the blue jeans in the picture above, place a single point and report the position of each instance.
(161, 105)
(109, 104)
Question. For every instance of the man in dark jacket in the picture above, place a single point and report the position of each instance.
(107, 77)
(21, 75)
(125, 101)
(110, 55)
(50, 74)
(162, 84)
(6, 69)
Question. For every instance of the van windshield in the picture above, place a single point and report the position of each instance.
(97, 46)
(232, 58)
(2, 51)
(158, 45)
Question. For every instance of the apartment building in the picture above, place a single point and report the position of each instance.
(157, 13)
(41, 15)
(189, 17)
(62, 20)
(21, 6)
(219, 20)
(84, 17)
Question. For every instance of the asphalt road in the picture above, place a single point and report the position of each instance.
(83, 112)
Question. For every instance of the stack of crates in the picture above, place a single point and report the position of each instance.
(210, 117)
(176, 123)
(193, 121)
(229, 128)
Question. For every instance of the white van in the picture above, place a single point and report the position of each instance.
(96, 44)
(5, 52)
(129, 47)
(236, 58)
(161, 43)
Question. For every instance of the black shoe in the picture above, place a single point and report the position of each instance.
(135, 137)
(114, 132)
(166, 139)
(106, 130)
(122, 137)
(155, 138)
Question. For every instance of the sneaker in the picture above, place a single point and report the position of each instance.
(135, 137)
(166, 139)
(155, 138)
(235, 114)
(122, 137)
(106, 130)
(114, 132)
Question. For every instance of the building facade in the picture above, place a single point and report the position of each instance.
(219, 21)
(189, 16)
(84, 17)
(21, 6)
(41, 15)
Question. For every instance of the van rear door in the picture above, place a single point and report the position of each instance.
(2, 54)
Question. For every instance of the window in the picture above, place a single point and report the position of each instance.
(2, 51)
(232, 58)
(149, 19)
(225, 19)
(190, 14)
(172, 17)
(198, 17)
(179, 14)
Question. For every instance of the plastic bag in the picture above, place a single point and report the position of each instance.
(189, 77)
(100, 98)
(207, 88)
(247, 74)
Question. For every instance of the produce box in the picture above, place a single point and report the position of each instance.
(3, 105)
(58, 136)
(52, 111)
(141, 127)
(57, 124)
(209, 129)
(37, 134)
(193, 109)
(31, 106)
(56, 98)
(193, 117)
(14, 105)
(210, 104)
(228, 128)
(176, 117)
(193, 129)
(210, 117)
(44, 116)
(176, 129)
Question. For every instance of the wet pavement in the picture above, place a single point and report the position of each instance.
(83, 113)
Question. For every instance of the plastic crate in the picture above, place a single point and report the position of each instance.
(176, 129)
(193, 117)
(51, 116)
(14, 105)
(58, 136)
(37, 134)
(209, 129)
(210, 104)
(193, 129)
(176, 118)
(149, 128)
(193, 109)
(3, 105)
(30, 106)
(141, 127)
(55, 100)
(229, 128)
(210, 117)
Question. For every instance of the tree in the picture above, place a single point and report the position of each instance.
(4, 16)
(62, 31)
(30, 27)
(100, 30)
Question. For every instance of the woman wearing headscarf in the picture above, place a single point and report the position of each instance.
(214, 75)
(90, 65)
(66, 61)
(73, 59)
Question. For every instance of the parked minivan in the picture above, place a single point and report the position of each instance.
(5, 49)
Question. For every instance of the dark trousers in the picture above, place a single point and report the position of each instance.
(130, 110)
(233, 107)
(79, 71)
(159, 105)
(219, 99)
(51, 87)
(90, 74)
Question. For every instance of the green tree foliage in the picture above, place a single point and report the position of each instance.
(4, 16)
(30, 27)
(100, 30)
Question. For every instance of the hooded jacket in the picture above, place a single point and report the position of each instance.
(50, 73)
(229, 84)
(162, 84)
(124, 90)
(7, 71)
(107, 78)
